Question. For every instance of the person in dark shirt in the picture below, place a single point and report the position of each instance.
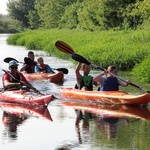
(110, 82)
(29, 67)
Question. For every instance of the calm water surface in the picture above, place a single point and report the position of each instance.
(64, 128)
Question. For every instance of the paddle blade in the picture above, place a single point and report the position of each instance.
(80, 58)
(29, 61)
(64, 47)
(64, 70)
(8, 59)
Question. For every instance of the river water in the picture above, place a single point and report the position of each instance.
(63, 130)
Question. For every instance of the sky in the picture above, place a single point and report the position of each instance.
(3, 7)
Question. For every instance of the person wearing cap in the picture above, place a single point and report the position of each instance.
(29, 68)
(110, 82)
(9, 83)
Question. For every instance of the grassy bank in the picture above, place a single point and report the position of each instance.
(125, 49)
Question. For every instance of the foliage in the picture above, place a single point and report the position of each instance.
(142, 70)
(82, 14)
(8, 25)
(19, 9)
(124, 49)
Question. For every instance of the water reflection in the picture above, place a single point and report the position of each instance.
(109, 125)
(11, 122)
(83, 117)
(103, 121)
(15, 115)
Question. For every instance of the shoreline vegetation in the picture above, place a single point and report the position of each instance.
(126, 49)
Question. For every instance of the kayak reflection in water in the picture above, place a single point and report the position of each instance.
(11, 122)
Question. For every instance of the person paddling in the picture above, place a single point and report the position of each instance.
(29, 66)
(41, 67)
(110, 82)
(85, 81)
(9, 83)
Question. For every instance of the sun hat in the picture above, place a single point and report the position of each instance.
(13, 63)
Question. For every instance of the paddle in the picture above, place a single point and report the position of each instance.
(64, 70)
(22, 82)
(67, 49)
(64, 47)
(29, 61)
(8, 59)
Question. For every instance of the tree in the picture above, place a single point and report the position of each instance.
(19, 9)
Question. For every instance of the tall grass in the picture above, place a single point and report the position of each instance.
(124, 49)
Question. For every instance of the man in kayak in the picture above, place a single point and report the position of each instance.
(41, 67)
(10, 83)
(85, 81)
(29, 64)
(110, 82)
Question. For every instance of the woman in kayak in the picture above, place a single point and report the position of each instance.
(30, 64)
(41, 67)
(10, 83)
(85, 81)
(110, 82)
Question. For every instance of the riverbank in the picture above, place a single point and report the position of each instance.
(128, 50)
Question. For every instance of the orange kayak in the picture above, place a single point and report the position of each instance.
(107, 97)
(26, 97)
(26, 110)
(56, 77)
(111, 110)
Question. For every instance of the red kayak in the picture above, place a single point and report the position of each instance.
(56, 77)
(26, 97)
(25, 110)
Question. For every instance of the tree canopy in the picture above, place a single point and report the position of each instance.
(83, 14)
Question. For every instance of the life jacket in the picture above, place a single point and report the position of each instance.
(18, 77)
(87, 81)
(30, 68)
(43, 67)
(110, 84)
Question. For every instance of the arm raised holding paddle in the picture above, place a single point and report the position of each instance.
(62, 46)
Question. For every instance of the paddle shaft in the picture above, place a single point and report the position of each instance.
(21, 81)
(67, 49)
(132, 84)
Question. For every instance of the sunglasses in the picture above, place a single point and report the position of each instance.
(14, 67)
